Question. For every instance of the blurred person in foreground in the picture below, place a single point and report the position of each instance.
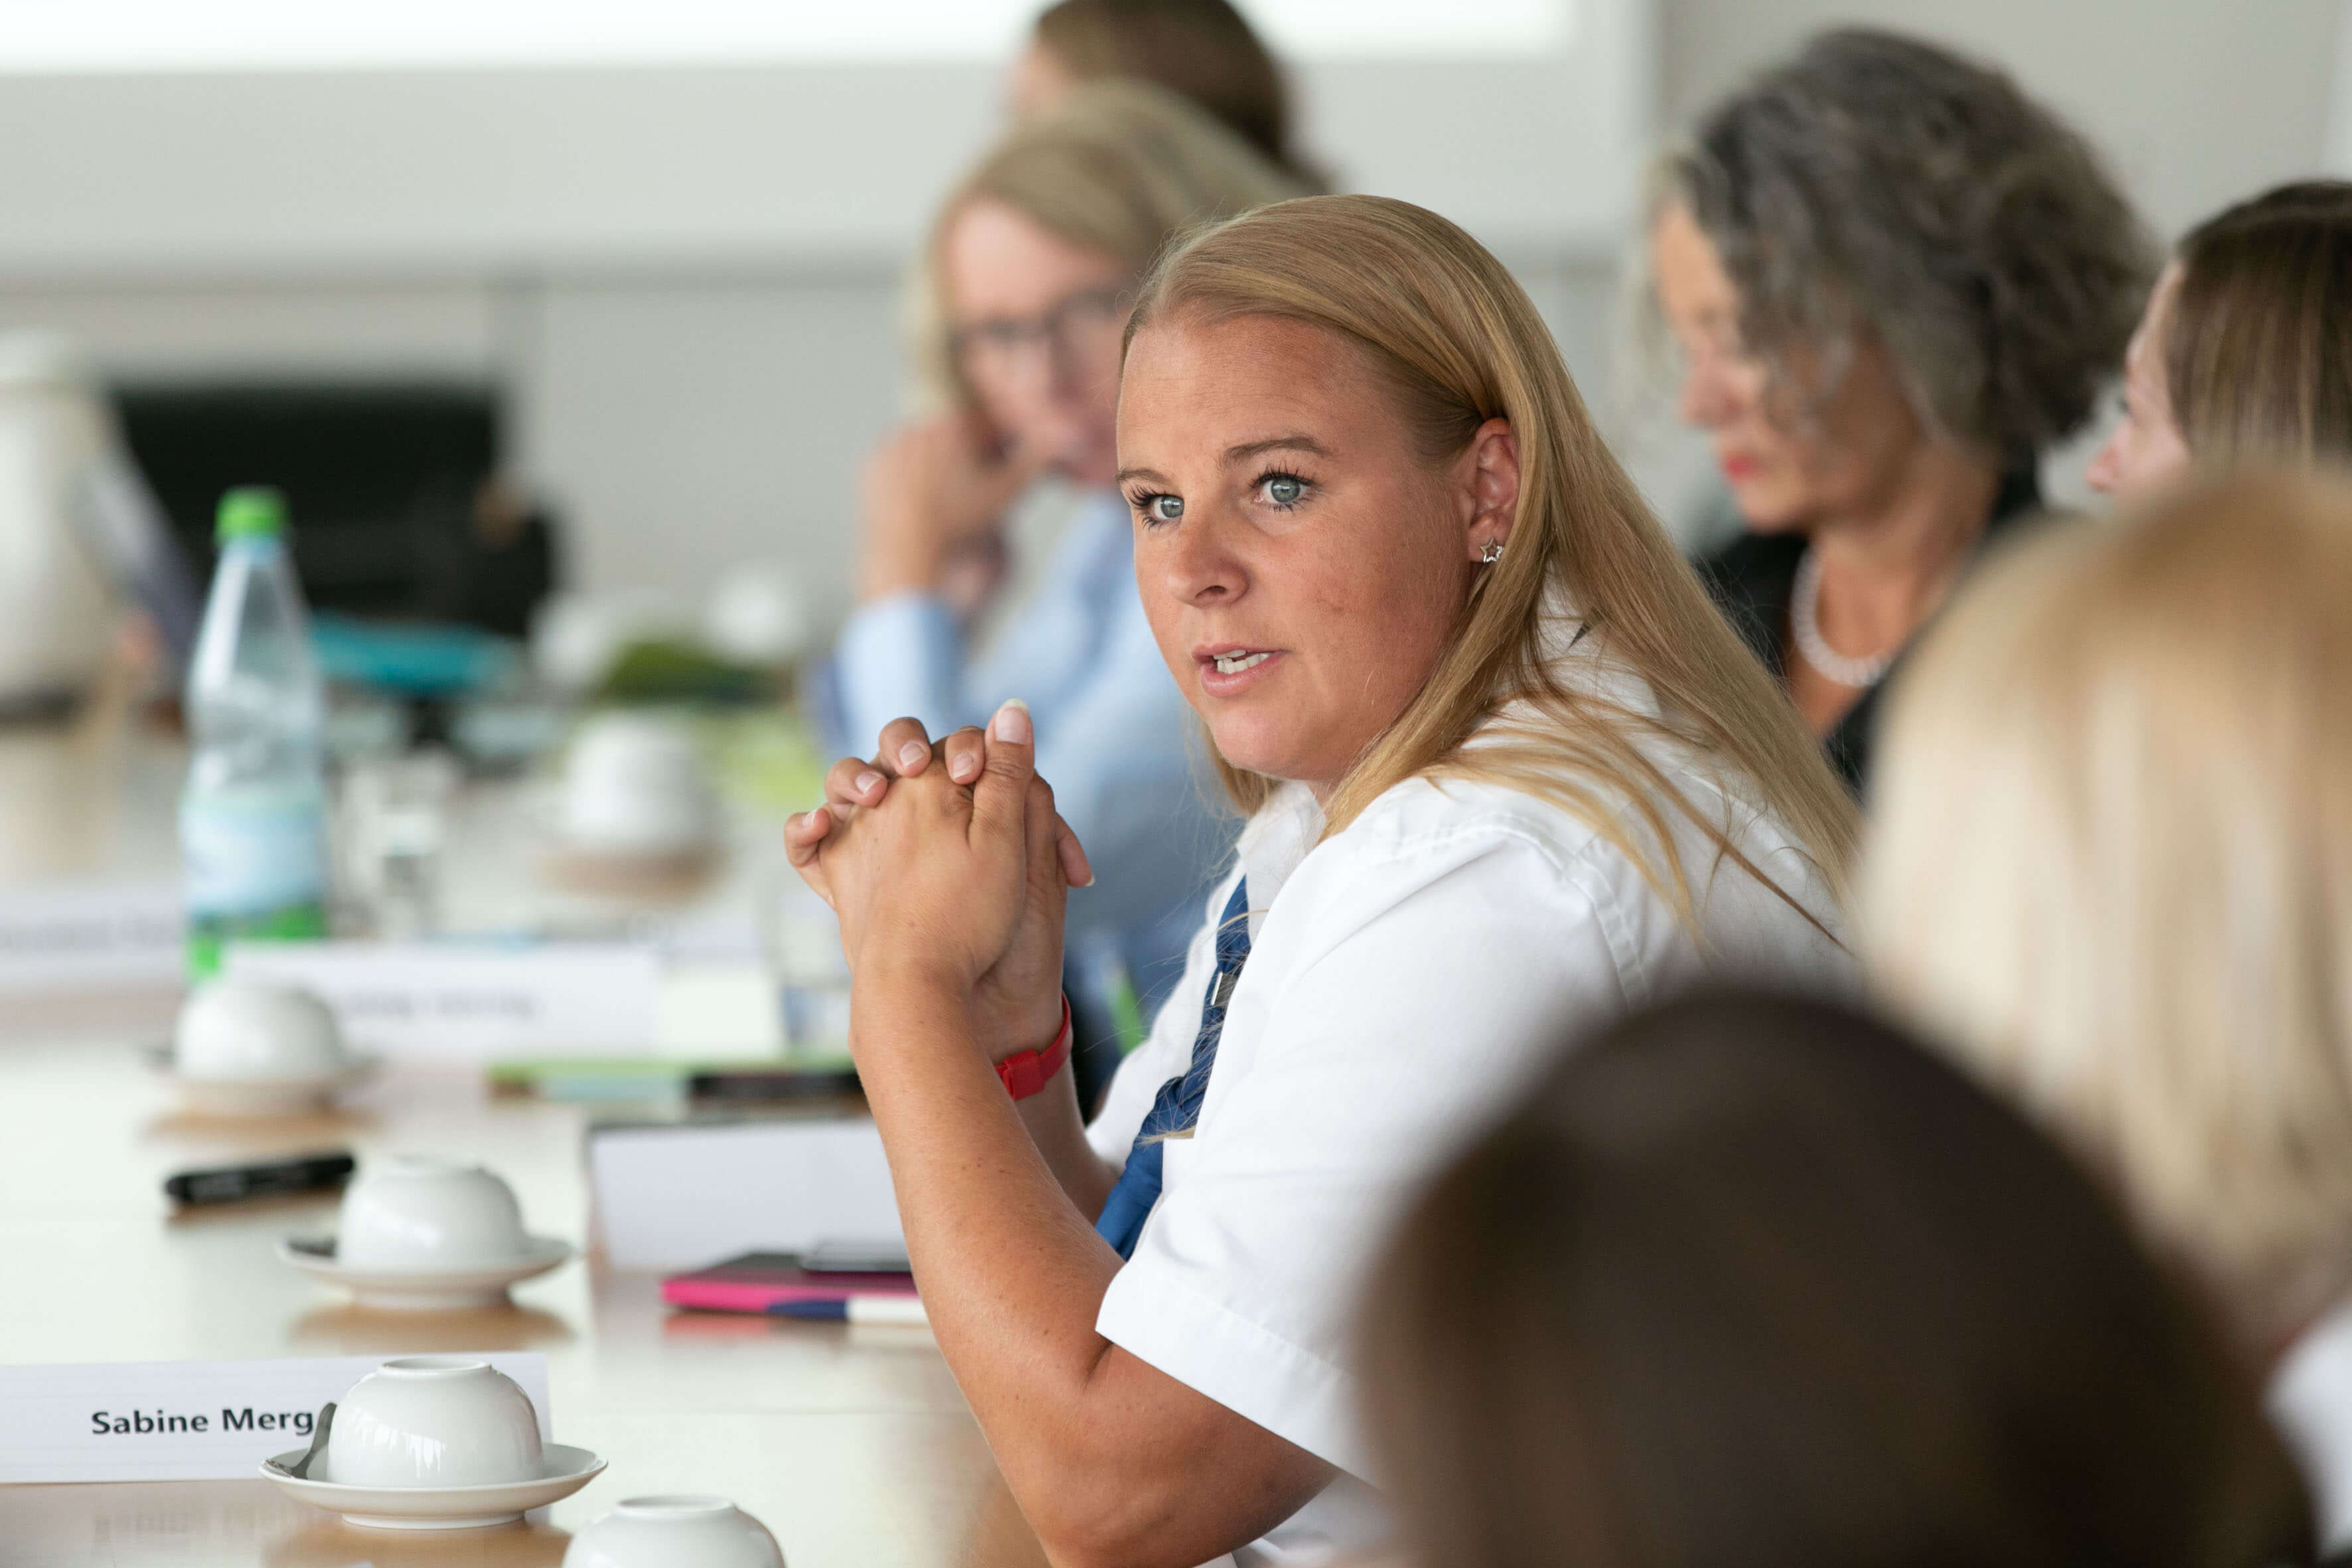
(2244, 354)
(2112, 866)
(1031, 270)
(1204, 50)
(1894, 281)
(1753, 1283)
(1506, 771)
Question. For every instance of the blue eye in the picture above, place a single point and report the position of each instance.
(1282, 489)
(1164, 508)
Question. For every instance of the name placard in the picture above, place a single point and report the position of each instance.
(73, 936)
(185, 1420)
(458, 1000)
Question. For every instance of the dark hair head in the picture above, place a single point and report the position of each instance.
(1754, 1281)
(1202, 49)
(1879, 187)
(2258, 351)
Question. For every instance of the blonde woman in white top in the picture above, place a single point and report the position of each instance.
(2111, 862)
(1508, 774)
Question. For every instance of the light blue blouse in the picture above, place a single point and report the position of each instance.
(1115, 736)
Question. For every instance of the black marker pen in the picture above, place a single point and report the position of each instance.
(303, 1173)
(771, 1084)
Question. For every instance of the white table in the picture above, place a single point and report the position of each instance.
(852, 1444)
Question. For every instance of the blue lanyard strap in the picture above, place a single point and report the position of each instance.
(1176, 1108)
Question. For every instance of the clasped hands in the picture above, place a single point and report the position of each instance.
(949, 869)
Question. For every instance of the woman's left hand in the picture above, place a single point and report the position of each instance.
(937, 883)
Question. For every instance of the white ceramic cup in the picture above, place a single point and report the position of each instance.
(415, 1213)
(257, 1031)
(634, 785)
(674, 1532)
(434, 1421)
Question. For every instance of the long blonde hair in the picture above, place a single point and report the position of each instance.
(1459, 343)
(2111, 862)
(1119, 167)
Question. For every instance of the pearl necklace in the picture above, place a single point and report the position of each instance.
(1805, 607)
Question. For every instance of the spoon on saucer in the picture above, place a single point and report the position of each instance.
(318, 1441)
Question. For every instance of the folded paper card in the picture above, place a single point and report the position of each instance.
(469, 1000)
(78, 936)
(185, 1420)
(679, 1195)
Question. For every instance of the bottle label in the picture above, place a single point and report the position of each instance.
(209, 935)
(255, 869)
(249, 857)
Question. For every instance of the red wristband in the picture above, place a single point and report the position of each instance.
(1025, 1074)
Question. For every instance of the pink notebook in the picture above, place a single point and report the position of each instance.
(761, 1281)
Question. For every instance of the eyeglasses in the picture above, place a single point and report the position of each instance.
(996, 345)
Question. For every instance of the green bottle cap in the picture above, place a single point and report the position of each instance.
(250, 512)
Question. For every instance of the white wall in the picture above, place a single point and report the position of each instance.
(2339, 115)
(686, 419)
(696, 405)
(685, 278)
(277, 174)
(436, 169)
(690, 423)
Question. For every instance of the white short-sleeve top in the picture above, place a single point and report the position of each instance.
(1407, 976)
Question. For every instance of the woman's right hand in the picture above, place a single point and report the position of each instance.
(929, 491)
(1017, 1003)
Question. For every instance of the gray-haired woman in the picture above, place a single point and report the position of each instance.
(1895, 280)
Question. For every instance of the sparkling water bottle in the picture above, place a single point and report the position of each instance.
(253, 817)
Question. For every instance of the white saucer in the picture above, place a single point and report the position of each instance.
(438, 1508)
(646, 846)
(270, 1096)
(409, 1290)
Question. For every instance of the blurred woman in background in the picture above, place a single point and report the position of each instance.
(1507, 772)
(2112, 864)
(1030, 273)
(1200, 49)
(1895, 280)
(2245, 350)
(1753, 1283)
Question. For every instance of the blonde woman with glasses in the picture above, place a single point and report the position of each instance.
(2111, 863)
(1506, 774)
(1023, 291)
